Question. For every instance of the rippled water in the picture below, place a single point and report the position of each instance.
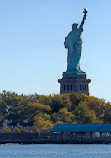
(55, 151)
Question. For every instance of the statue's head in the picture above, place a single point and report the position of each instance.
(74, 26)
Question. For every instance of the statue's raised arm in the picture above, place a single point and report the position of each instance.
(84, 18)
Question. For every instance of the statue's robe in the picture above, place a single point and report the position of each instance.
(73, 43)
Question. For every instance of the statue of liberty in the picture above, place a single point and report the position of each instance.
(73, 43)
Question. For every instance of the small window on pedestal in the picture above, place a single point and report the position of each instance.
(85, 88)
(80, 87)
(71, 87)
(64, 87)
(67, 87)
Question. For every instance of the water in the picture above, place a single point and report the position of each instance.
(55, 151)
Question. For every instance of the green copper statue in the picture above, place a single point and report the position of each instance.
(73, 43)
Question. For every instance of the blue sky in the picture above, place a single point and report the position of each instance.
(32, 53)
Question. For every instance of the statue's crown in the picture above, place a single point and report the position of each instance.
(75, 24)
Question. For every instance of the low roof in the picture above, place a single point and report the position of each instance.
(81, 128)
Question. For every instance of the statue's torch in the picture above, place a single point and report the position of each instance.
(85, 10)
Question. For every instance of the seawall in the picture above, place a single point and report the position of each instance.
(35, 138)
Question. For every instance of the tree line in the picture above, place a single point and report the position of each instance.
(43, 112)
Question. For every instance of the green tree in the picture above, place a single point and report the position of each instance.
(84, 114)
(57, 103)
(75, 99)
(31, 110)
(97, 105)
(107, 113)
(42, 122)
(10, 104)
(64, 116)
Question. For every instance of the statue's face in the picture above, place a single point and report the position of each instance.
(74, 27)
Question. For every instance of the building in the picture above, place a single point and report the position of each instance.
(83, 129)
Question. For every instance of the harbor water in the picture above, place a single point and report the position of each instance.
(55, 151)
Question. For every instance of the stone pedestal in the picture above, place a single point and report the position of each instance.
(74, 82)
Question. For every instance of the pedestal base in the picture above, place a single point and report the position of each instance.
(74, 82)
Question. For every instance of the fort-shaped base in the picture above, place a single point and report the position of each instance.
(74, 82)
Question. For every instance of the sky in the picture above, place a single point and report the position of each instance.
(32, 53)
